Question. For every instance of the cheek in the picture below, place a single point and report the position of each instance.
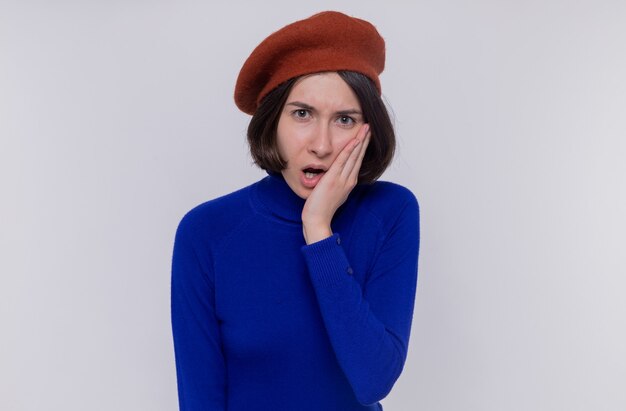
(343, 137)
(289, 139)
(282, 140)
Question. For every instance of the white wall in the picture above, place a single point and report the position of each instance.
(116, 117)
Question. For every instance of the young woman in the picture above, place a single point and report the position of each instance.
(297, 292)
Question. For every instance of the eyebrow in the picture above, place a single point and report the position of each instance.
(308, 107)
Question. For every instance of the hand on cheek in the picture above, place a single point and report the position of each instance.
(333, 188)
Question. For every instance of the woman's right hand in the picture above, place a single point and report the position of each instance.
(334, 187)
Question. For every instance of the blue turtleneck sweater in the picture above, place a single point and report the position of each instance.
(263, 321)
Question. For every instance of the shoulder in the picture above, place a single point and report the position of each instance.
(217, 216)
(384, 211)
(384, 198)
(385, 205)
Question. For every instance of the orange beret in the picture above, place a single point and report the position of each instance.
(327, 41)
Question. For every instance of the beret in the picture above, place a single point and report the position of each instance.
(327, 41)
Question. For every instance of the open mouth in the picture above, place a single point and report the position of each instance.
(311, 176)
(312, 172)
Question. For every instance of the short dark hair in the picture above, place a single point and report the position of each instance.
(380, 150)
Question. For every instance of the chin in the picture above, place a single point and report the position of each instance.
(303, 194)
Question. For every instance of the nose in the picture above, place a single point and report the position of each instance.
(320, 142)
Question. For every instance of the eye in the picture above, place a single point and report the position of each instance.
(346, 121)
(301, 113)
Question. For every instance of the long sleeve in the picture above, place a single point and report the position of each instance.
(369, 326)
(200, 365)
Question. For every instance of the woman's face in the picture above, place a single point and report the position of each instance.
(321, 115)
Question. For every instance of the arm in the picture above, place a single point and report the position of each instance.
(200, 365)
(369, 328)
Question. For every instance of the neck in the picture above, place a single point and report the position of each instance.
(278, 199)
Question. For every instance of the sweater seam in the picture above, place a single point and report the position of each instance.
(228, 238)
(380, 236)
(193, 242)
(384, 236)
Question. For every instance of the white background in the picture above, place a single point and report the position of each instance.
(116, 117)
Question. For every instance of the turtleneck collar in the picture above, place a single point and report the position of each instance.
(278, 199)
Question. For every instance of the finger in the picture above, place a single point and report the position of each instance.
(354, 172)
(353, 159)
(340, 162)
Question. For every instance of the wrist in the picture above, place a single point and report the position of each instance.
(316, 232)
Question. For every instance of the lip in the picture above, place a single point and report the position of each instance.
(310, 182)
(316, 166)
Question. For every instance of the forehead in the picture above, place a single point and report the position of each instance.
(324, 91)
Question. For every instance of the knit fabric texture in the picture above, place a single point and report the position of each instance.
(263, 321)
(327, 41)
